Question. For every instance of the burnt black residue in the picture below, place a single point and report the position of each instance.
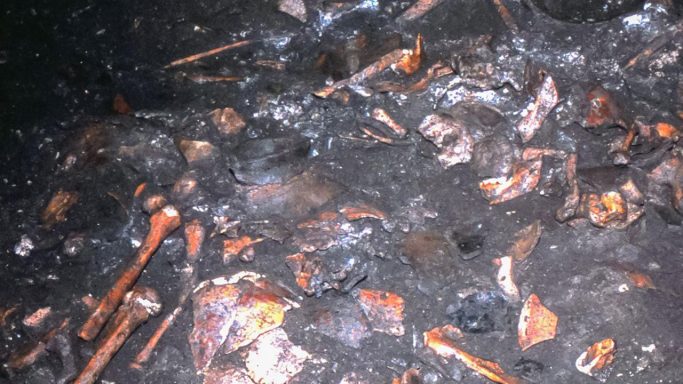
(481, 312)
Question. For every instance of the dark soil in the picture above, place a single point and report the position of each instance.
(63, 62)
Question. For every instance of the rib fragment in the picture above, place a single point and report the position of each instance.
(371, 70)
(439, 340)
(418, 9)
(211, 52)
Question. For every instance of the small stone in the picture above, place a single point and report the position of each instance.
(195, 151)
(74, 244)
(24, 247)
(294, 8)
(248, 255)
(228, 121)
